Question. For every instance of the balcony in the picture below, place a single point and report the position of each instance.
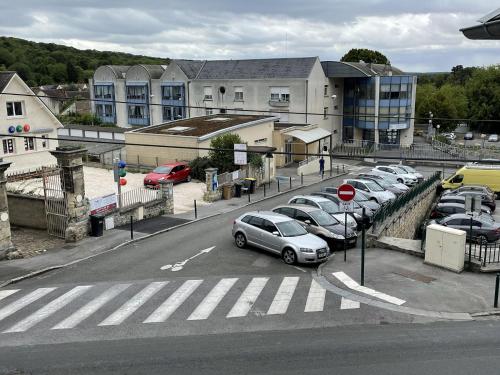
(138, 120)
(107, 119)
(279, 103)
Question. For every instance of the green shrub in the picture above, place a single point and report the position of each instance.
(198, 167)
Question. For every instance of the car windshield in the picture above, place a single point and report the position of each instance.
(382, 183)
(408, 169)
(373, 186)
(322, 218)
(162, 169)
(291, 229)
(399, 170)
(329, 207)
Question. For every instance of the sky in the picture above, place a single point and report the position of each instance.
(416, 35)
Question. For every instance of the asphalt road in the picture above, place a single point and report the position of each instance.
(438, 348)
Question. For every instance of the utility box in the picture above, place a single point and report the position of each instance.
(445, 247)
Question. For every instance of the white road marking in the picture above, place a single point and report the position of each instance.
(168, 307)
(298, 268)
(48, 309)
(180, 265)
(316, 297)
(248, 297)
(84, 312)
(348, 304)
(350, 283)
(283, 296)
(213, 298)
(133, 304)
(23, 302)
(6, 293)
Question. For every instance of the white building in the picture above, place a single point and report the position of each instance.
(26, 125)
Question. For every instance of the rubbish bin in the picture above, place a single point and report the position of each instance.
(96, 225)
(251, 184)
(237, 189)
(226, 191)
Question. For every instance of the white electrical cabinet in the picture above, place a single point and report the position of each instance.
(445, 247)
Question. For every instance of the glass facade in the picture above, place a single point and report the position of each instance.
(137, 103)
(104, 95)
(395, 102)
(173, 101)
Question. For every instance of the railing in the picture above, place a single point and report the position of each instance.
(228, 177)
(139, 195)
(401, 201)
(485, 253)
(29, 174)
(308, 160)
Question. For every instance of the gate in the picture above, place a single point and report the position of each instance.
(55, 201)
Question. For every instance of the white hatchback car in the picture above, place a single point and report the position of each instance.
(401, 175)
(372, 190)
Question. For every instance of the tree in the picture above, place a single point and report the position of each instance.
(483, 92)
(460, 75)
(6, 58)
(366, 55)
(224, 160)
(72, 72)
(22, 69)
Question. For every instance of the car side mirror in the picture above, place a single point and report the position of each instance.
(276, 233)
(308, 222)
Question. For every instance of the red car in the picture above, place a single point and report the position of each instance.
(173, 172)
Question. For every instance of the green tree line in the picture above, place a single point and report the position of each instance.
(49, 63)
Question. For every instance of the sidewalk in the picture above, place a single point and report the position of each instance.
(422, 287)
(115, 238)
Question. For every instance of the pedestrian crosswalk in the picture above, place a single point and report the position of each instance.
(64, 308)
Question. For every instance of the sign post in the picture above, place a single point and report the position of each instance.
(346, 194)
(240, 154)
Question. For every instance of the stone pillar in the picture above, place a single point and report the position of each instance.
(70, 160)
(212, 193)
(6, 245)
(167, 194)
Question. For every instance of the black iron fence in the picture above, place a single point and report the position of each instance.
(485, 253)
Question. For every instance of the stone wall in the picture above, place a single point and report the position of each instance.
(405, 222)
(139, 212)
(27, 211)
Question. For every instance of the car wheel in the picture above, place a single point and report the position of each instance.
(374, 200)
(483, 240)
(400, 180)
(188, 179)
(240, 240)
(289, 256)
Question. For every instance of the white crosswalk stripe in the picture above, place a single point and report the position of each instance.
(213, 298)
(348, 304)
(91, 307)
(23, 302)
(316, 298)
(283, 296)
(168, 307)
(49, 309)
(6, 293)
(248, 297)
(133, 304)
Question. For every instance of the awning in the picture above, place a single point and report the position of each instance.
(309, 136)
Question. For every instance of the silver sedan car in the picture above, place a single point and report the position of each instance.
(280, 235)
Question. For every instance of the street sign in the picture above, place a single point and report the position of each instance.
(347, 206)
(240, 154)
(472, 203)
(346, 192)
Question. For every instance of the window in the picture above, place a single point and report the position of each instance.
(103, 92)
(14, 109)
(166, 92)
(8, 146)
(207, 93)
(29, 144)
(457, 179)
(269, 227)
(299, 201)
(256, 221)
(136, 111)
(280, 94)
(325, 91)
(286, 211)
(136, 92)
(209, 111)
(246, 219)
(177, 92)
(325, 112)
(301, 216)
(238, 94)
(45, 141)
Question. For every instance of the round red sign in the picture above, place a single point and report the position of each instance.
(346, 192)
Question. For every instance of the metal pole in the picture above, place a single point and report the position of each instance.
(345, 237)
(290, 182)
(302, 178)
(195, 210)
(278, 181)
(497, 282)
(470, 244)
(131, 227)
(331, 164)
(269, 170)
(248, 193)
(264, 190)
(363, 234)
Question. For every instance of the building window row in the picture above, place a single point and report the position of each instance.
(137, 92)
(103, 92)
(172, 93)
(280, 94)
(30, 144)
(172, 113)
(15, 109)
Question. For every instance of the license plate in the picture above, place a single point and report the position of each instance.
(321, 255)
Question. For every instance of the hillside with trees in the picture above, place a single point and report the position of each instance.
(48, 63)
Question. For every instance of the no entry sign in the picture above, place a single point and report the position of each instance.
(346, 192)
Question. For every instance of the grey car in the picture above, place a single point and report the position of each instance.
(484, 228)
(321, 224)
(372, 190)
(383, 183)
(359, 198)
(280, 235)
(357, 209)
(471, 188)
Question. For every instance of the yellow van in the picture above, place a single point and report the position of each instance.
(474, 174)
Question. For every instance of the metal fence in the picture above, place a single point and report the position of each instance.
(485, 253)
(228, 177)
(139, 195)
(401, 201)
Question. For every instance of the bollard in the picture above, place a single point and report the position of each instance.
(337, 169)
(363, 244)
(343, 168)
(497, 281)
(131, 227)
(248, 196)
(302, 178)
(290, 182)
(278, 181)
(195, 210)
(470, 245)
(264, 190)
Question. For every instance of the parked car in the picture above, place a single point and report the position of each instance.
(449, 208)
(372, 191)
(401, 175)
(359, 198)
(484, 228)
(326, 205)
(469, 136)
(357, 212)
(493, 138)
(451, 198)
(410, 170)
(383, 183)
(389, 178)
(323, 225)
(474, 174)
(281, 235)
(172, 172)
(486, 199)
(449, 136)
(475, 188)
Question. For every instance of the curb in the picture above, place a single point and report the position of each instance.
(324, 282)
(52, 268)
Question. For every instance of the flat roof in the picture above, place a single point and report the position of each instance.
(205, 126)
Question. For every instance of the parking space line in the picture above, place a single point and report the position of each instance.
(350, 283)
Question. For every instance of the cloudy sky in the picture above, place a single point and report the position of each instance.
(416, 35)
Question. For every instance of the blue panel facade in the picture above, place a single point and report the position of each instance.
(173, 99)
(105, 108)
(137, 94)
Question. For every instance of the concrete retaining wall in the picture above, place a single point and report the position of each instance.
(27, 211)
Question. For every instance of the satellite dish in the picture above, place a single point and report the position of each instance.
(222, 90)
